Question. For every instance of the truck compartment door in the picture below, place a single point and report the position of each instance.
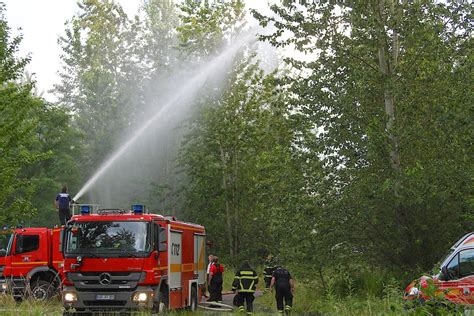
(174, 253)
(199, 258)
(174, 268)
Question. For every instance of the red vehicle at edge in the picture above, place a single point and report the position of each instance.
(127, 260)
(33, 263)
(455, 279)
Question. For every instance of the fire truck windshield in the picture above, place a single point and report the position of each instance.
(100, 238)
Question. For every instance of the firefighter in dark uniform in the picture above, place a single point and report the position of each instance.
(62, 202)
(245, 283)
(268, 271)
(284, 288)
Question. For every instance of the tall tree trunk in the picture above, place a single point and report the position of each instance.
(227, 206)
(237, 208)
(387, 66)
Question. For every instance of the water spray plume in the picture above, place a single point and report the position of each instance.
(192, 85)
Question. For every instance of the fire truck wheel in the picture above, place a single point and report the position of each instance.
(194, 299)
(41, 290)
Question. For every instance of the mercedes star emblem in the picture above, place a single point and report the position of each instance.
(105, 279)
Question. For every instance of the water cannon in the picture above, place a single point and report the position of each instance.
(138, 208)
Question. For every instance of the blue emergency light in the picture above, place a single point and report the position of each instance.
(85, 209)
(138, 208)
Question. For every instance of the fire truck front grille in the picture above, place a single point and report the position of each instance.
(110, 281)
(105, 303)
(87, 274)
(121, 282)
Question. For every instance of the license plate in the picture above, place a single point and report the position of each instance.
(104, 297)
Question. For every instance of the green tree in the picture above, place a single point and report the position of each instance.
(17, 130)
(159, 37)
(54, 134)
(100, 79)
(385, 102)
(236, 156)
(206, 27)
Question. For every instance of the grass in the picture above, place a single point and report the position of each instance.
(368, 294)
(9, 307)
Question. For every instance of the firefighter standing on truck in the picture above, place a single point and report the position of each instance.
(216, 279)
(63, 201)
(284, 288)
(245, 282)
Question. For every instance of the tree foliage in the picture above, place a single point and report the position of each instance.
(236, 156)
(358, 152)
(206, 27)
(99, 79)
(35, 150)
(387, 95)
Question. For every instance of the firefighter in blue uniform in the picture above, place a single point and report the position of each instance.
(245, 283)
(284, 288)
(63, 202)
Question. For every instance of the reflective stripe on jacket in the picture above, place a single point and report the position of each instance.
(245, 281)
(268, 271)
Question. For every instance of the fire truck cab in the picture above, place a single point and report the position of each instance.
(129, 260)
(33, 263)
(455, 280)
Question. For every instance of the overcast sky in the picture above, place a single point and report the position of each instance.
(42, 22)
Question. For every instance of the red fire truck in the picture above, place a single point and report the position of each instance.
(454, 282)
(33, 263)
(127, 260)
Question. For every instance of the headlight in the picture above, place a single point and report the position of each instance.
(140, 297)
(70, 297)
(414, 291)
(4, 286)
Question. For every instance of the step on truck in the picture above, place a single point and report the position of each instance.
(454, 281)
(32, 263)
(118, 260)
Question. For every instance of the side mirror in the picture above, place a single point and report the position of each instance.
(160, 238)
(19, 244)
(61, 240)
(444, 274)
(156, 239)
(162, 247)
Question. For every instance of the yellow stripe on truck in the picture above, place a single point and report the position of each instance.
(175, 267)
(160, 268)
(29, 262)
(188, 267)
